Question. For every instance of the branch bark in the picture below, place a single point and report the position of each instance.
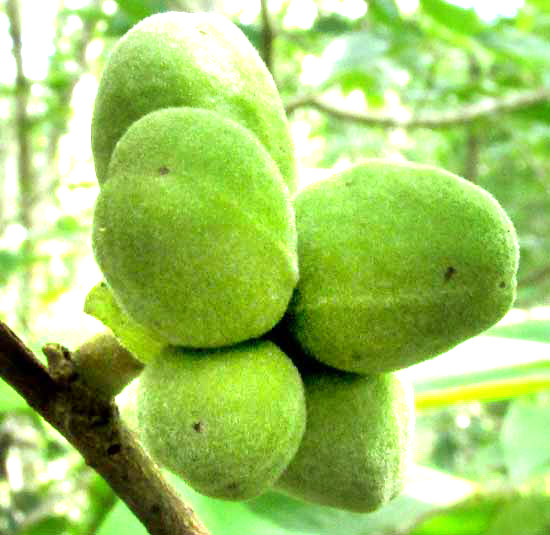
(461, 116)
(91, 424)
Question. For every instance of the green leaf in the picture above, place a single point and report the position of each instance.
(276, 514)
(101, 500)
(453, 17)
(332, 24)
(536, 330)
(220, 517)
(10, 400)
(9, 263)
(484, 368)
(215, 513)
(356, 65)
(50, 525)
(298, 517)
(385, 11)
(68, 225)
(524, 439)
(101, 304)
(139, 9)
(361, 49)
(526, 515)
(121, 520)
(470, 517)
(513, 44)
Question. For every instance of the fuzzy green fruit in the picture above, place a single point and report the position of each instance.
(194, 231)
(355, 450)
(200, 60)
(227, 421)
(398, 263)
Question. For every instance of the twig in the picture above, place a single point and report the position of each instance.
(91, 424)
(467, 114)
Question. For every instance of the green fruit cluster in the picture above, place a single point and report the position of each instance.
(259, 375)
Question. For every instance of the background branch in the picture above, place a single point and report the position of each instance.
(25, 166)
(268, 34)
(535, 276)
(92, 425)
(467, 114)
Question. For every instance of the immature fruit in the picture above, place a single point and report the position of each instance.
(200, 60)
(194, 231)
(356, 446)
(398, 263)
(105, 365)
(227, 421)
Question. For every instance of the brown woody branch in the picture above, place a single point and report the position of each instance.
(465, 115)
(92, 425)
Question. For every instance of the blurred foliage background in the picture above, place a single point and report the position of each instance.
(462, 85)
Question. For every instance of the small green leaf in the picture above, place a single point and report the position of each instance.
(100, 303)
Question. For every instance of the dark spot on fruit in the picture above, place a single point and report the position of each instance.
(155, 509)
(163, 170)
(113, 449)
(449, 273)
(198, 427)
(101, 418)
(502, 285)
(232, 486)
